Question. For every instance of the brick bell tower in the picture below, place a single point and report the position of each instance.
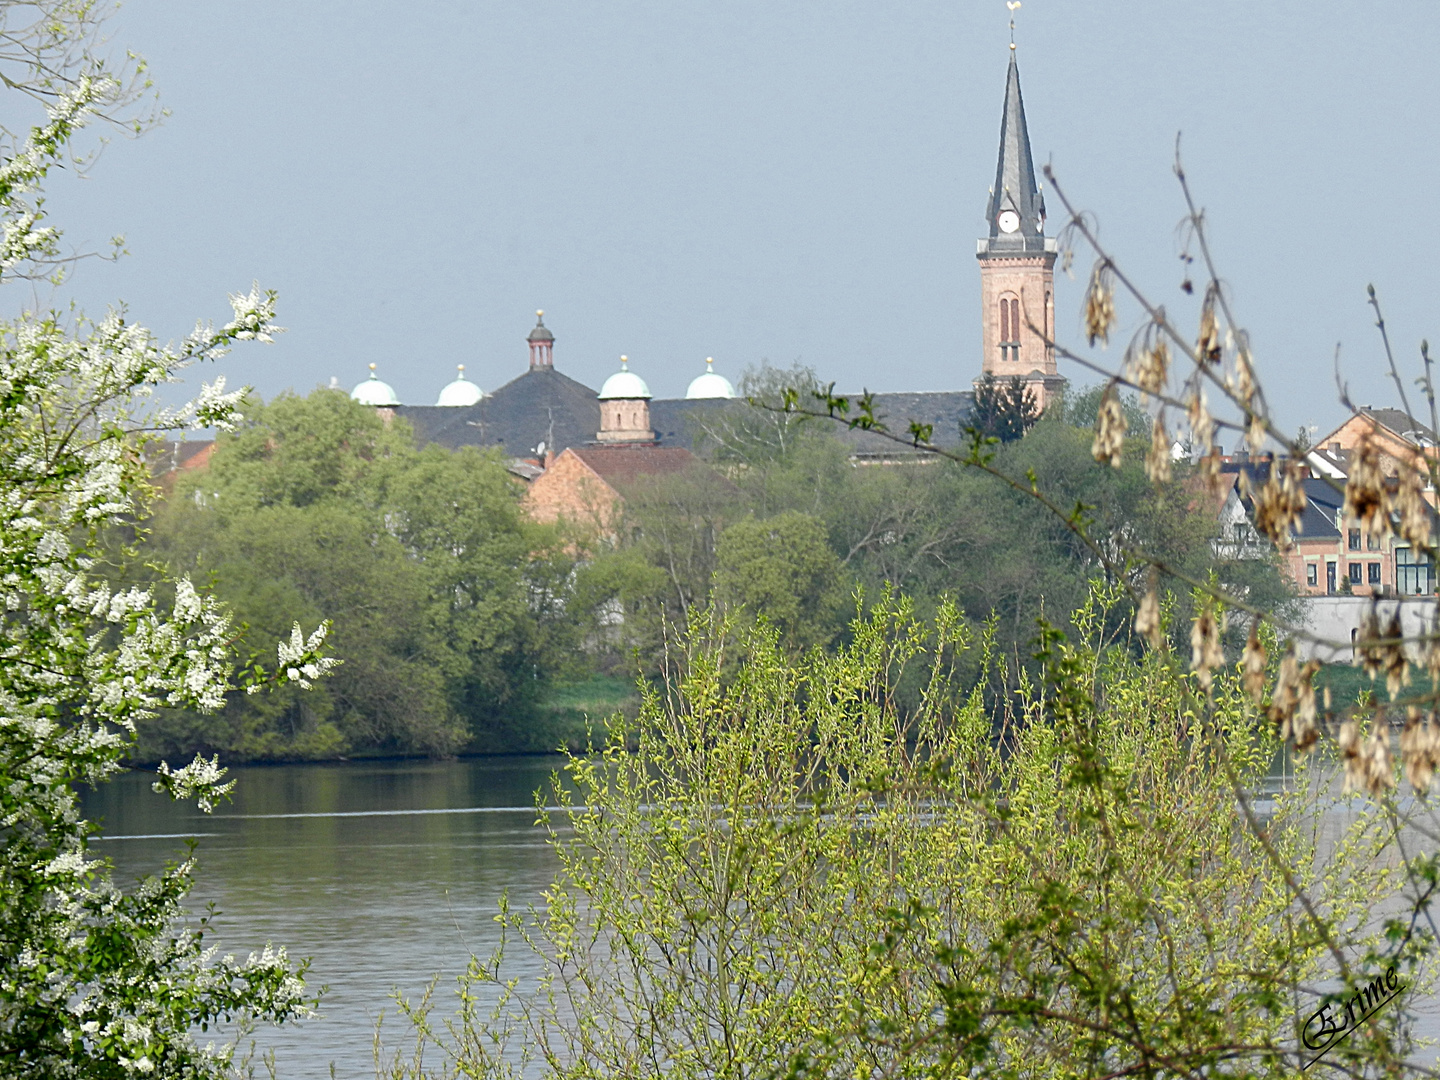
(1017, 263)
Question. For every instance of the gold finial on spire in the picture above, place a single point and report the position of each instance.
(1013, 5)
(461, 368)
(624, 363)
(709, 363)
(372, 371)
(539, 313)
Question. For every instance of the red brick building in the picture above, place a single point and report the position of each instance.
(587, 484)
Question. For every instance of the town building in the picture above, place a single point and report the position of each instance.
(1331, 556)
(587, 485)
(542, 413)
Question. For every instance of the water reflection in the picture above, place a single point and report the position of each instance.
(384, 872)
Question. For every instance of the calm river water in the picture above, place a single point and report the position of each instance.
(385, 873)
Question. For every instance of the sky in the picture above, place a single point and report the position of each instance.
(749, 180)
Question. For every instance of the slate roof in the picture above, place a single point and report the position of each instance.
(1324, 510)
(1400, 422)
(621, 465)
(947, 410)
(541, 405)
(1015, 187)
(669, 417)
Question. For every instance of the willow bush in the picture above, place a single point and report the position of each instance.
(772, 871)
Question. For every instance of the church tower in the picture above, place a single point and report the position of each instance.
(1017, 263)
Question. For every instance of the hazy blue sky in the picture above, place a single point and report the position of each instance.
(794, 181)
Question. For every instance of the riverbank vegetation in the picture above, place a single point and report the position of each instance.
(780, 869)
(466, 622)
(928, 778)
(455, 623)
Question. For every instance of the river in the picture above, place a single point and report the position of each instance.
(384, 873)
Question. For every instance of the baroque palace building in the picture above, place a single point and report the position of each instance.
(541, 413)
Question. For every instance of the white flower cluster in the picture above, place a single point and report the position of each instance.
(301, 659)
(200, 780)
(116, 982)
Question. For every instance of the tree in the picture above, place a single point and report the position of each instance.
(1003, 410)
(454, 599)
(95, 981)
(740, 434)
(775, 871)
(662, 566)
(1081, 409)
(782, 568)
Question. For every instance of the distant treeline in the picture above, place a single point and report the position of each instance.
(459, 619)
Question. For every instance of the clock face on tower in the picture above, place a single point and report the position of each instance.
(1008, 221)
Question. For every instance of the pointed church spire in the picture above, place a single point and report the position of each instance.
(1017, 209)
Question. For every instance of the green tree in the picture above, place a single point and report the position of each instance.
(1003, 409)
(660, 564)
(1081, 408)
(782, 568)
(775, 871)
(454, 600)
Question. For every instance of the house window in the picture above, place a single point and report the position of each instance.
(1354, 539)
(1312, 574)
(1372, 573)
(1414, 574)
(1372, 542)
(1357, 573)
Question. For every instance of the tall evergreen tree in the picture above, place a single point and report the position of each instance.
(1003, 409)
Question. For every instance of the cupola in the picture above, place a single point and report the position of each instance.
(461, 392)
(542, 344)
(625, 407)
(374, 392)
(710, 385)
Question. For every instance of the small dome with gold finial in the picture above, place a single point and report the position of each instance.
(461, 392)
(710, 385)
(624, 384)
(541, 331)
(374, 392)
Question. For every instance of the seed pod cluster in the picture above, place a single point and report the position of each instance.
(1420, 749)
(1252, 664)
(1100, 304)
(1382, 649)
(1411, 510)
(1157, 461)
(1207, 346)
(1366, 500)
(1206, 653)
(1367, 758)
(1148, 367)
(1110, 427)
(1147, 615)
(1280, 502)
(1292, 705)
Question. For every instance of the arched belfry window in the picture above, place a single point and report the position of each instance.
(1010, 327)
